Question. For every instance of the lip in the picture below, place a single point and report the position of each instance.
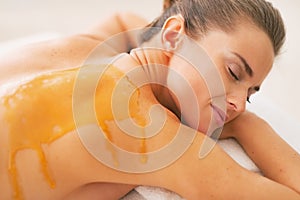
(219, 115)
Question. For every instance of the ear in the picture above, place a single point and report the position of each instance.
(172, 31)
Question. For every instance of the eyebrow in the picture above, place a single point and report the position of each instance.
(248, 69)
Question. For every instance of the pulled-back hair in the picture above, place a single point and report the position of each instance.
(200, 16)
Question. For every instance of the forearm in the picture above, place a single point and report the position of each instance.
(276, 159)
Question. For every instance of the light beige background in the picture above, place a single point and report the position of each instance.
(22, 18)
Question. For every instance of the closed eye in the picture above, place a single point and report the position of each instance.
(233, 74)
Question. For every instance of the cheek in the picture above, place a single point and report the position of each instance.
(185, 97)
(202, 115)
(192, 97)
(199, 115)
(226, 80)
(193, 93)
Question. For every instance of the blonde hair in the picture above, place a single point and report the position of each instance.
(203, 15)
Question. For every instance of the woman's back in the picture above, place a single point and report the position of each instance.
(39, 113)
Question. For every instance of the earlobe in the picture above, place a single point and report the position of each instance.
(173, 29)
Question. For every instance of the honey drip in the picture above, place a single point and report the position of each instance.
(136, 110)
(40, 111)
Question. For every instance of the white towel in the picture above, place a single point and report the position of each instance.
(156, 193)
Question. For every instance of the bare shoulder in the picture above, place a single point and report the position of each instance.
(244, 120)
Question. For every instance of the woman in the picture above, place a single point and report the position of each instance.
(243, 50)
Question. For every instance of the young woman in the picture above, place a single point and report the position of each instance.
(43, 151)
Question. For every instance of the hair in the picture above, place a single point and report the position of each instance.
(200, 16)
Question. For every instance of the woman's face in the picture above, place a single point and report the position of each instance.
(243, 59)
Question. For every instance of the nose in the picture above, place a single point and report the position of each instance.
(237, 101)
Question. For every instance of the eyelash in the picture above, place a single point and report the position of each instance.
(248, 100)
(233, 75)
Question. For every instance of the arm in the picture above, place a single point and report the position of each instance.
(195, 178)
(277, 160)
(189, 176)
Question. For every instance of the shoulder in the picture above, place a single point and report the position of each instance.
(249, 117)
(245, 123)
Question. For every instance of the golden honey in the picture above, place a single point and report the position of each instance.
(40, 112)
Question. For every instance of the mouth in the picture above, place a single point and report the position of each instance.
(219, 115)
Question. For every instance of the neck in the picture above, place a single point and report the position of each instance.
(155, 63)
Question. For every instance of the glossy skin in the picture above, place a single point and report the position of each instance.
(60, 54)
(194, 178)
